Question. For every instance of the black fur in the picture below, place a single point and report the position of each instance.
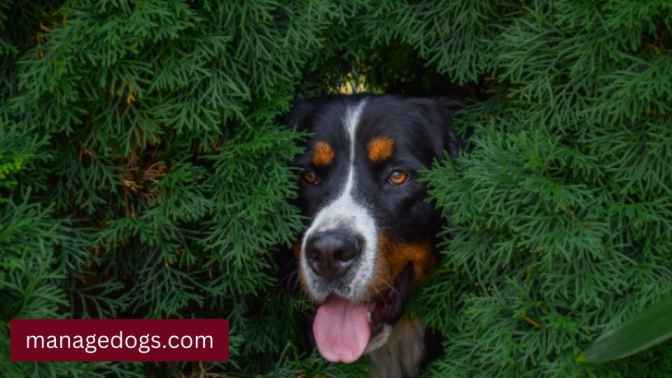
(421, 132)
(420, 128)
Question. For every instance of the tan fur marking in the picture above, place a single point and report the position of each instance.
(296, 249)
(380, 148)
(323, 154)
(401, 355)
(392, 259)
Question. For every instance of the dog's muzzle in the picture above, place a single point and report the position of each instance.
(331, 254)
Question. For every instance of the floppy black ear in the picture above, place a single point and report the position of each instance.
(301, 109)
(439, 112)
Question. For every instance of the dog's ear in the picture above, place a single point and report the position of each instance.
(439, 112)
(301, 109)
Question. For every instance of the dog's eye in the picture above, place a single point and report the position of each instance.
(397, 177)
(310, 177)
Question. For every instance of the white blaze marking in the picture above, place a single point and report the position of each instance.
(345, 212)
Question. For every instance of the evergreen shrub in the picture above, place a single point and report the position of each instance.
(145, 170)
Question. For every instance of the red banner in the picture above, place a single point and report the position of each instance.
(119, 340)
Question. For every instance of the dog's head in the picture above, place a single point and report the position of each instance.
(371, 229)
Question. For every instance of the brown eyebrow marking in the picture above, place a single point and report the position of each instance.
(323, 154)
(380, 148)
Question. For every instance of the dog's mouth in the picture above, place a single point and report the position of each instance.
(344, 330)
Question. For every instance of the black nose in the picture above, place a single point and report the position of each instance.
(331, 253)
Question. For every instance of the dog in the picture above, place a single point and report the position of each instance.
(371, 229)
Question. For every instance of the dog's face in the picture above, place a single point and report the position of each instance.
(371, 228)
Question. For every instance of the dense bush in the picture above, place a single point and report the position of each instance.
(144, 170)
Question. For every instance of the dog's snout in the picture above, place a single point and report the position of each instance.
(331, 253)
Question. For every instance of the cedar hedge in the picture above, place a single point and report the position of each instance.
(144, 170)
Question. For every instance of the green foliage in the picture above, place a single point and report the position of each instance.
(560, 210)
(16, 149)
(144, 171)
(648, 329)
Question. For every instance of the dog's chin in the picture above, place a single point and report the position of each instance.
(345, 329)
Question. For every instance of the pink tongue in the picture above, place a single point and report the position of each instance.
(341, 329)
